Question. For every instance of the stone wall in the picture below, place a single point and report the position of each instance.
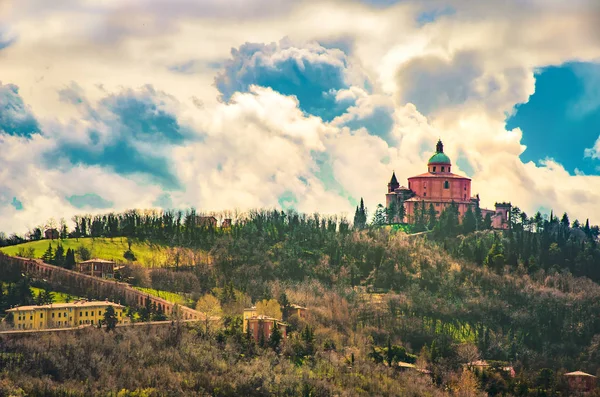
(102, 288)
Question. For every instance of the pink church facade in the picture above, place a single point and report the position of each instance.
(441, 188)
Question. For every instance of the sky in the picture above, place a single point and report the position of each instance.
(241, 104)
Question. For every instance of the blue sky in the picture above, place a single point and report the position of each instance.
(560, 119)
(106, 109)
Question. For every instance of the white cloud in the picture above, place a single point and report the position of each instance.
(464, 71)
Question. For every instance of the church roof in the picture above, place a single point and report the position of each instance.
(394, 181)
(439, 157)
(439, 175)
(437, 200)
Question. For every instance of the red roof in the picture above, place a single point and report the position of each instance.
(440, 175)
(438, 200)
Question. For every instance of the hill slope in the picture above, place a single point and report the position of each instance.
(147, 254)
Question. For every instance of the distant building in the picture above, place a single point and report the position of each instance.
(580, 381)
(441, 188)
(97, 268)
(264, 325)
(206, 221)
(297, 310)
(61, 315)
(51, 234)
(226, 223)
(248, 313)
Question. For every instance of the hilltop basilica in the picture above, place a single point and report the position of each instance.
(440, 187)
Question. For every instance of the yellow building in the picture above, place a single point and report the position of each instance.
(61, 315)
(249, 313)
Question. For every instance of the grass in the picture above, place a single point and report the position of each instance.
(147, 254)
(403, 227)
(59, 297)
(169, 296)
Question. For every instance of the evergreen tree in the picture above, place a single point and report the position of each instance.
(47, 297)
(285, 305)
(495, 259)
(487, 222)
(469, 224)
(379, 219)
(392, 213)
(431, 217)
(478, 217)
(110, 318)
(401, 212)
(48, 255)
(275, 338)
(39, 298)
(59, 256)
(360, 216)
(565, 221)
(70, 259)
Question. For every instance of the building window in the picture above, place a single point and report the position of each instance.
(465, 187)
(41, 315)
(425, 194)
(80, 322)
(434, 168)
(465, 197)
(86, 314)
(31, 317)
(99, 312)
(448, 169)
(443, 169)
(437, 204)
(52, 315)
(59, 315)
(446, 185)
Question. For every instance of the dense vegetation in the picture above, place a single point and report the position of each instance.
(526, 297)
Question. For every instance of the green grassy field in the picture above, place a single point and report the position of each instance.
(169, 296)
(147, 254)
(59, 297)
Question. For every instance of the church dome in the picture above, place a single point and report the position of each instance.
(439, 157)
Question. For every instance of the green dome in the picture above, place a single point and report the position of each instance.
(439, 158)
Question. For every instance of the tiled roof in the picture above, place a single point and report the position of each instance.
(441, 175)
(97, 260)
(578, 373)
(66, 305)
(437, 200)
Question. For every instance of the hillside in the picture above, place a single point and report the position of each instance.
(147, 254)
(526, 299)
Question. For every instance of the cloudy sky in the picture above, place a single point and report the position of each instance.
(223, 104)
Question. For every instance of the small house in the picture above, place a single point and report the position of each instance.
(298, 310)
(580, 381)
(51, 234)
(97, 268)
(262, 325)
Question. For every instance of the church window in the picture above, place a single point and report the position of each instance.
(433, 168)
(446, 185)
(465, 196)
(448, 169)
(425, 194)
(442, 169)
(437, 204)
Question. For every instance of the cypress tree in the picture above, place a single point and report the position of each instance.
(48, 255)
